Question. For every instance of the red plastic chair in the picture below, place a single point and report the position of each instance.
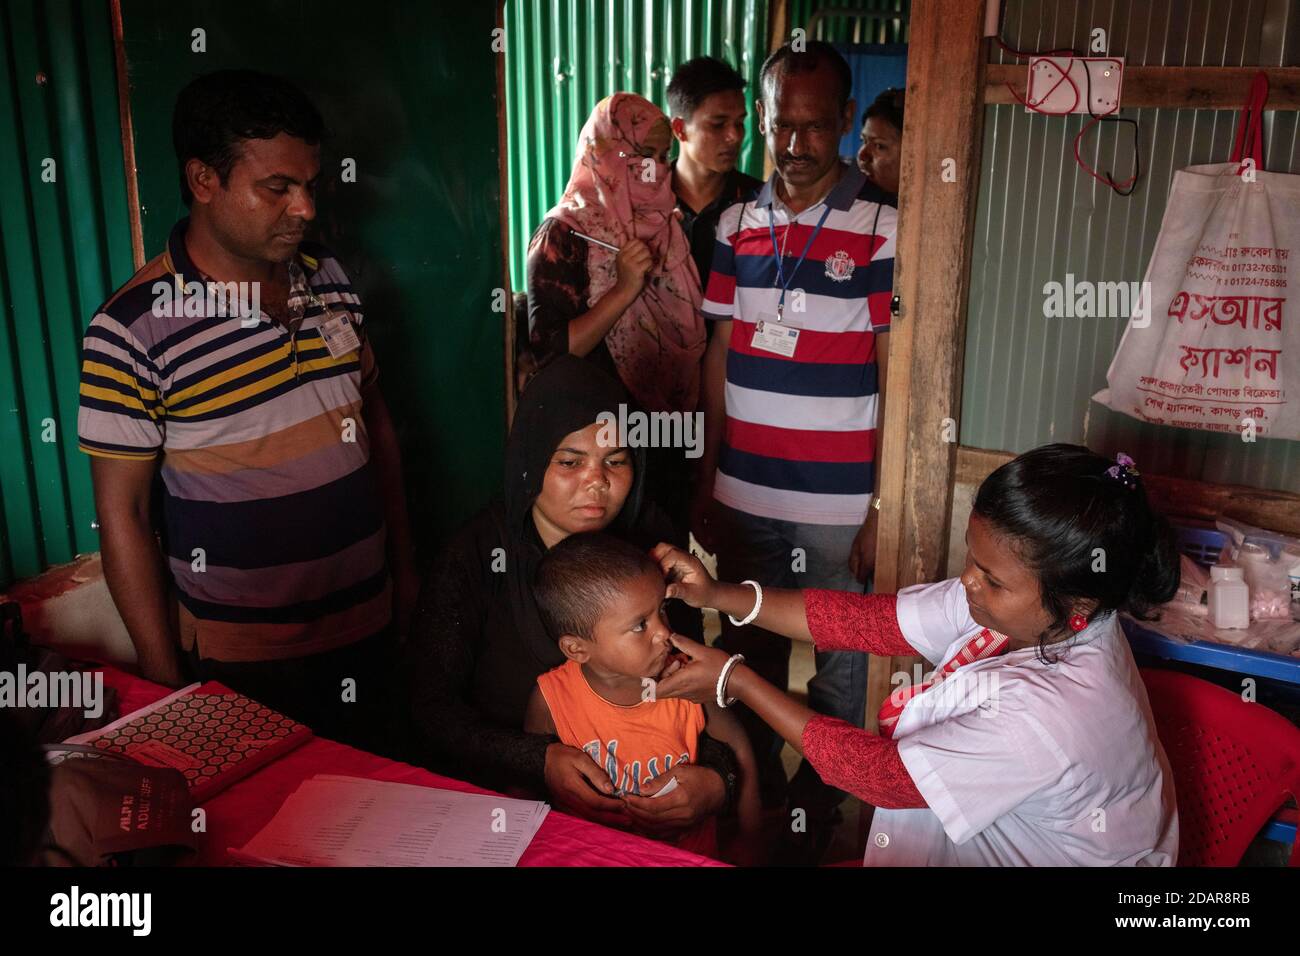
(1235, 764)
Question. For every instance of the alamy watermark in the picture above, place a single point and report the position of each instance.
(79, 690)
(638, 429)
(1098, 300)
(74, 908)
(978, 691)
(240, 300)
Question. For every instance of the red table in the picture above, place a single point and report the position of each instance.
(236, 814)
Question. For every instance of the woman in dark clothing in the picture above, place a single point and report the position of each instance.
(477, 643)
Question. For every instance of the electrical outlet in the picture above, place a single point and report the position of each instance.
(1060, 84)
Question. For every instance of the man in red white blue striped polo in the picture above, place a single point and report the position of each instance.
(800, 290)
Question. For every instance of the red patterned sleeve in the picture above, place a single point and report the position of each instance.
(843, 621)
(861, 763)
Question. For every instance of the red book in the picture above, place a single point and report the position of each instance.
(210, 733)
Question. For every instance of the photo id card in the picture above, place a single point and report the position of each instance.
(772, 336)
(339, 335)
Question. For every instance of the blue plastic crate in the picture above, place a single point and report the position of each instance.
(1202, 545)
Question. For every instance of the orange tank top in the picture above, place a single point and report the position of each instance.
(634, 743)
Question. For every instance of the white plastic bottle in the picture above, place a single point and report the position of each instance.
(1293, 572)
(1229, 597)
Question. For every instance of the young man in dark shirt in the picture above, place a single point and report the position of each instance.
(706, 104)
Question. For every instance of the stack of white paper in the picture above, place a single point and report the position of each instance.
(332, 820)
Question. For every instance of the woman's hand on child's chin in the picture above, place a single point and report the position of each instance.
(697, 679)
(676, 661)
(687, 577)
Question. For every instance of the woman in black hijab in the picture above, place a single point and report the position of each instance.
(477, 643)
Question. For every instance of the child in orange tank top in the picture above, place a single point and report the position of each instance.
(603, 601)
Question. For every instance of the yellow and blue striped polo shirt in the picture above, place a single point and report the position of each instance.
(273, 526)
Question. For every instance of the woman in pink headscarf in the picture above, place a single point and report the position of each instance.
(636, 311)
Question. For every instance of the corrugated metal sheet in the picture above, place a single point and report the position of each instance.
(1028, 379)
(886, 21)
(62, 244)
(563, 56)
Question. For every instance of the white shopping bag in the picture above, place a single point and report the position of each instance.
(1214, 342)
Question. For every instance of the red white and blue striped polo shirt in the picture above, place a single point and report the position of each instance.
(800, 437)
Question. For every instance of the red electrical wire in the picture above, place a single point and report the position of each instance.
(1096, 118)
(1065, 78)
(1104, 180)
(1026, 54)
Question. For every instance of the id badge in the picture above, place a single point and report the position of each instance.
(339, 335)
(775, 337)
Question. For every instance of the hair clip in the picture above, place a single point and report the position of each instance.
(1124, 471)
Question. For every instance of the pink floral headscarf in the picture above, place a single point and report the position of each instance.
(615, 194)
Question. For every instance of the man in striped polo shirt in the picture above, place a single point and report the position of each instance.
(800, 291)
(236, 366)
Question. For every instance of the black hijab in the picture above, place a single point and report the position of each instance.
(478, 644)
(565, 396)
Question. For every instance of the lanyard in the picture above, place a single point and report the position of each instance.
(781, 279)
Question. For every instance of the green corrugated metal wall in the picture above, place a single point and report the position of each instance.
(563, 56)
(63, 244)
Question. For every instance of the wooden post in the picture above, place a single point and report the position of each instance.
(128, 136)
(943, 124)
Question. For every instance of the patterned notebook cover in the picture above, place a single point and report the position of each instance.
(209, 733)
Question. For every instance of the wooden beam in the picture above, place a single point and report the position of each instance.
(1172, 87)
(942, 131)
(1175, 497)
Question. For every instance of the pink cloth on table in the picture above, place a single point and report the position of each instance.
(235, 815)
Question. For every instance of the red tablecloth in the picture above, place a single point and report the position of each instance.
(235, 815)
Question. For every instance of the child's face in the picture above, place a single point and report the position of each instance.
(1003, 594)
(631, 637)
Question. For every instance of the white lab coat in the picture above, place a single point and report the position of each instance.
(1023, 763)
